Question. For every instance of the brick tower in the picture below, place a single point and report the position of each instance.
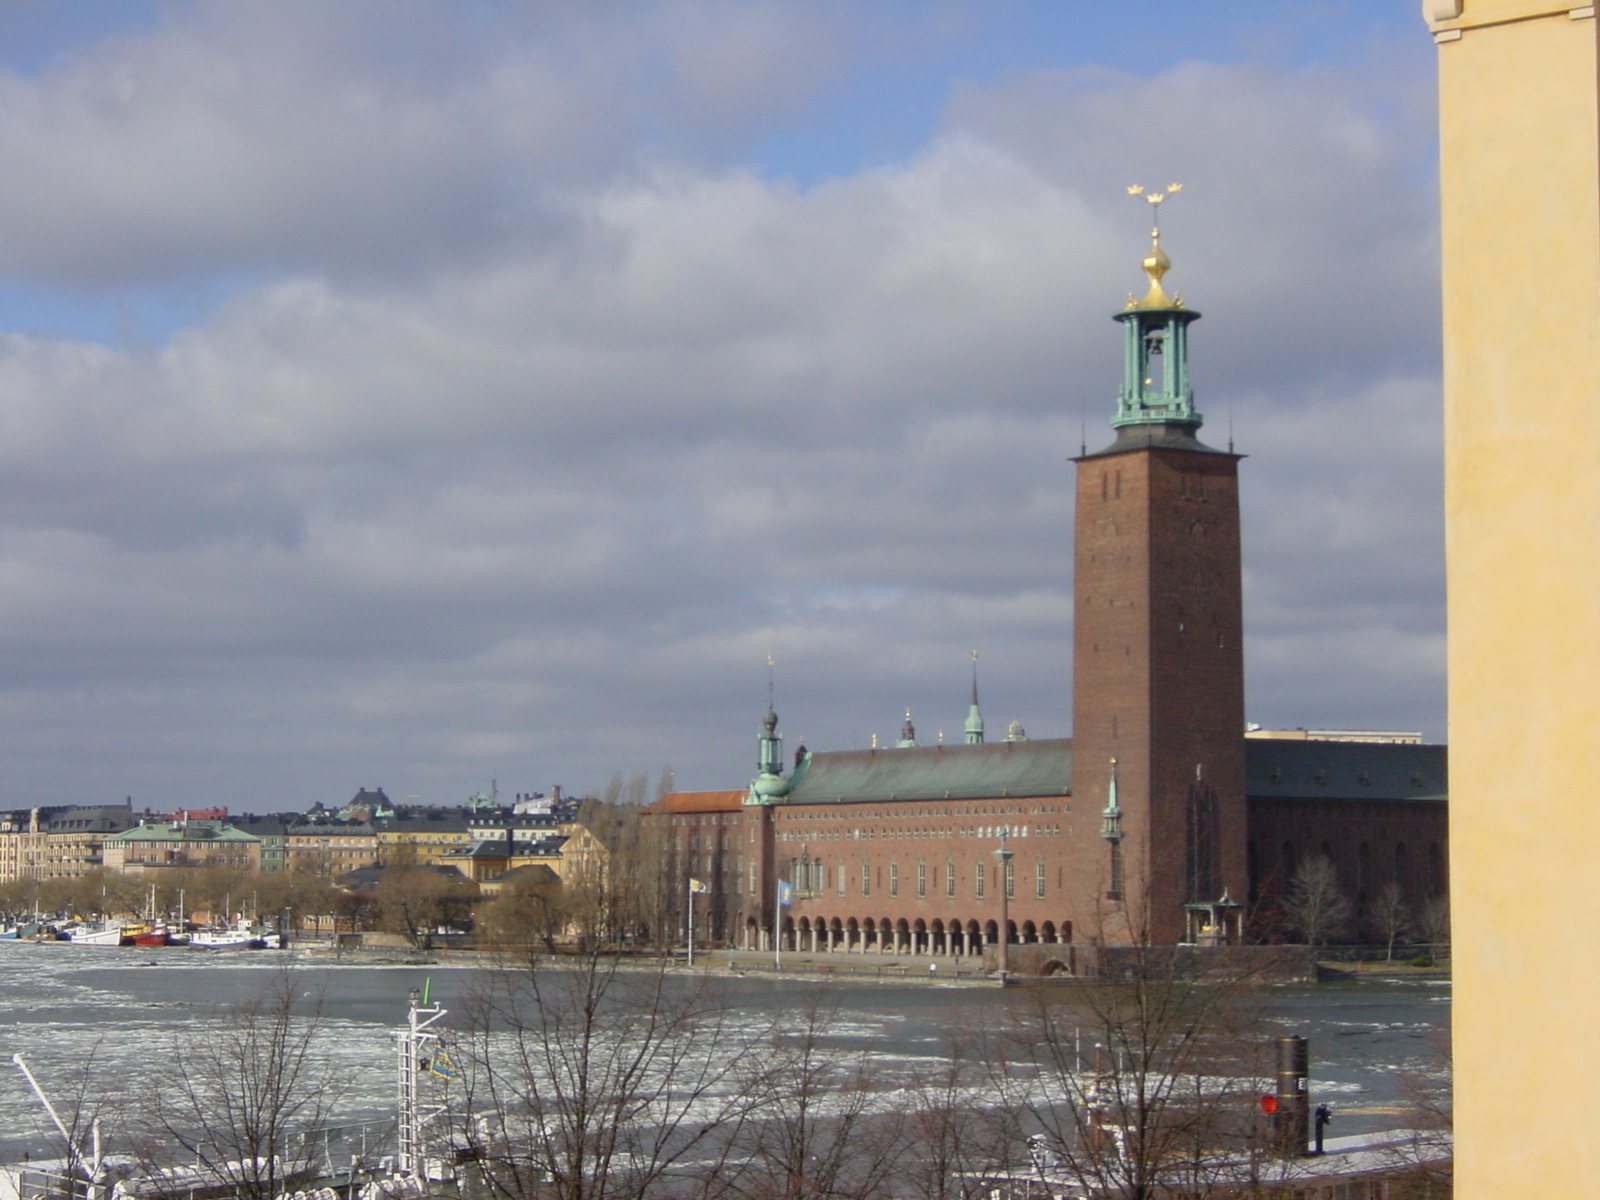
(1158, 668)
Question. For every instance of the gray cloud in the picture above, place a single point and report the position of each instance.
(537, 437)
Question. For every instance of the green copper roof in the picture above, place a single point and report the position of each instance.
(977, 772)
(1313, 770)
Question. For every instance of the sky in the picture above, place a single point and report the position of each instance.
(446, 396)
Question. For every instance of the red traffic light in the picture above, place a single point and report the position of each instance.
(1269, 1104)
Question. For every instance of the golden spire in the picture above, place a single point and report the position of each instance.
(1155, 263)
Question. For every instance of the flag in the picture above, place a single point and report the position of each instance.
(441, 1065)
(698, 887)
(785, 891)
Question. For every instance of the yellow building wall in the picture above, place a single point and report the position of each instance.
(1520, 212)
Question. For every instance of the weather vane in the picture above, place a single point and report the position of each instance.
(1155, 262)
(1155, 199)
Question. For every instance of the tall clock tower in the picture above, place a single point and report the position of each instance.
(1158, 674)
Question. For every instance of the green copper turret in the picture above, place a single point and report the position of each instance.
(1155, 374)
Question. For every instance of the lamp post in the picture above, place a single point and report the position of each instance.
(1004, 854)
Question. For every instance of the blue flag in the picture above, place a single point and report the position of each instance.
(785, 891)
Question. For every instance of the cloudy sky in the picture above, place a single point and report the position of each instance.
(420, 395)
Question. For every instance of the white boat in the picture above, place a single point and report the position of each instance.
(239, 936)
(109, 934)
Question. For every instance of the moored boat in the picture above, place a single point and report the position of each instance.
(239, 936)
(109, 934)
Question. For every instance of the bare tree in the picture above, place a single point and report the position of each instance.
(1422, 1165)
(1390, 916)
(956, 1138)
(1313, 905)
(1435, 923)
(589, 1079)
(416, 901)
(240, 1106)
(818, 1124)
(528, 915)
(1143, 1085)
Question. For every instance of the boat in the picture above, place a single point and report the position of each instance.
(109, 934)
(239, 936)
(152, 937)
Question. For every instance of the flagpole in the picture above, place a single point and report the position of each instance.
(691, 922)
(777, 915)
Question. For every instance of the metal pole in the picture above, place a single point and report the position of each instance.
(691, 922)
(777, 913)
(1294, 1102)
(1004, 855)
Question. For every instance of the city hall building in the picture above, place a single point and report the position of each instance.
(1160, 819)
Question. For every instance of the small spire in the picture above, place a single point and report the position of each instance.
(974, 727)
(1111, 815)
(770, 759)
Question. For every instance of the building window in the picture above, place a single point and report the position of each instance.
(922, 878)
(866, 877)
(977, 879)
(949, 877)
(1038, 879)
(894, 879)
(1114, 892)
(1011, 879)
(842, 873)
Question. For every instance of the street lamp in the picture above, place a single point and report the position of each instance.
(1004, 854)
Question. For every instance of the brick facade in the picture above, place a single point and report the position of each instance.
(1158, 674)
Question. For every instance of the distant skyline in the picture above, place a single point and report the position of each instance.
(420, 394)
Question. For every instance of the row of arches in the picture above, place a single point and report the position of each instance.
(853, 935)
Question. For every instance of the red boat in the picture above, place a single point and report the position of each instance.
(151, 937)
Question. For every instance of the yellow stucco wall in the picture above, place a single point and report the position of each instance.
(1520, 192)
